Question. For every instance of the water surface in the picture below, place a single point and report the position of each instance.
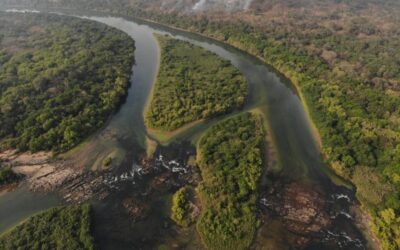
(18, 205)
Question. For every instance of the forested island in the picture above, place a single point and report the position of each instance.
(61, 79)
(192, 84)
(67, 228)
(230, 156)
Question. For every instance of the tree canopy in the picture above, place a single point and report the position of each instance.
(60, 79)
(60, 228)
(231, 162)
(192, 84)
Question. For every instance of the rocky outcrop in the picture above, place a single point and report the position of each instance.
(300, 208)
(303, 210)
(85, 186)
(136, 209)
(44, 173)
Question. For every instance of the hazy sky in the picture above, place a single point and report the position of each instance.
(227, 4)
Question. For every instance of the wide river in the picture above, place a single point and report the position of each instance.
(298, 151)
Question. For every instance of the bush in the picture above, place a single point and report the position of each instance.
(181, 207)
(7, 176)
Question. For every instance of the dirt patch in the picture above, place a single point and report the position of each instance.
(41, 170)
(37, 29)
(7, 188)
(44, 173)
(303, 210)
(12, 157)
(300, 209)
(136, 209)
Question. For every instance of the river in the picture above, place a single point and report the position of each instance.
(125, 136)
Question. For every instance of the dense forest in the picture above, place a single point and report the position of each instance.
(60, 79)
(57, 228)
(231, 163)
(351, 87)
(192, 84)
(344, 58)
(347, 70)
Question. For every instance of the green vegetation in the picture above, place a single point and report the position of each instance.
(181, 207)
(345, 64)
(343, 56)
(231, 162)
(107, 161)
(192, 84)
(60, 228)
(7, 176)
(60, 79)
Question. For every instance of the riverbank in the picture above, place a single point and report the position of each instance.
(272, 155)
(166, 137)
(8, 188)
(154, 135)
(363, 220)
(44, 173)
